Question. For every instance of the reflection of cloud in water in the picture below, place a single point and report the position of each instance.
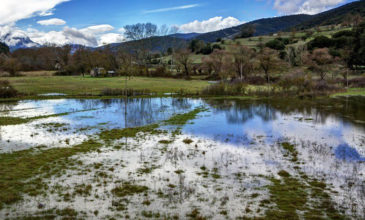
(347, 153)
(243, 123)
(94, 115)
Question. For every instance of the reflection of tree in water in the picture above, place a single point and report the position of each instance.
(343, 109)
(140, 111)
(7, 106)
(96, 103)
(238, 112)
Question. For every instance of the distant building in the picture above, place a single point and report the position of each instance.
(97, 72)
(111, 73)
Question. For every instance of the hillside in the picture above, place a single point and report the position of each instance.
(153, 44)
(334, 16)
(263, 27)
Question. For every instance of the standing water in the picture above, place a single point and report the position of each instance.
(268, 158)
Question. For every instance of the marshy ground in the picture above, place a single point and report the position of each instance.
(171, 158)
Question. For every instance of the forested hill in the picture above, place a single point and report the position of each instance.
(4, 48)
(262, 26)
(153, 44)
(335, 16)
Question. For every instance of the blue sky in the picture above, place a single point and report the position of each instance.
(91, 22)
(83, 13)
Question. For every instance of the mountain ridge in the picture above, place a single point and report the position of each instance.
(18, 39)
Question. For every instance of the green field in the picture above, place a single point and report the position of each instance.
(78, 85)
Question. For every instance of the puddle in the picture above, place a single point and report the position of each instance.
(53, 94)
(224, 164)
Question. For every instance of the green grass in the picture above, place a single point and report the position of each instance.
(30, 166)
(179, 120)
(128, 132)
(182, 119)
(17, 120)
(128, 189)
(351, 92)
(77, 85)
(289, 195)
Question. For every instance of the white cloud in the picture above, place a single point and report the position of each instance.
(171, 9)
(213, 24)
(305, 6)
(96, 29)
(12, 11)
(52, 21)
(121, 30)
(111, 38)
(90, 36)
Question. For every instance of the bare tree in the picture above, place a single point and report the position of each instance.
(142, 34)
(12, 66)
(319, 61)
(243, 61)
(268, 60)
(140, 31)
(184, 60)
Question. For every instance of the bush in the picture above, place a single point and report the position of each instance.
(6, 90)
(357, 82)
(223, 88)
(323, 86)
(346, 33)
(160, 71)
(275, 44)
(320, 42)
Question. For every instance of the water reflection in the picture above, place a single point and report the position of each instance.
(86, 117)
(246, 123)
(347, 153)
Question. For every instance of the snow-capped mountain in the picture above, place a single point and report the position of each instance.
(16, 39)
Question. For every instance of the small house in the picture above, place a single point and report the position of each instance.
(97, 72)
(111, 73)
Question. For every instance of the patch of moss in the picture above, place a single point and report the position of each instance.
(165, 141)
(289, 195)
(12, 121)
(289, 147)
(147, 170)
(195, 214)
(128, 189)
(283, 173)
(187, 141)
(128, 132)
(182, 119)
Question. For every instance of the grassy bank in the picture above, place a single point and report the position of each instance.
(351, 92)
(88, 87)
(78, 85)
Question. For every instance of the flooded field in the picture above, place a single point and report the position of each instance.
(174, 158)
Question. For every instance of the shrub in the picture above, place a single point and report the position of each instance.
(346, 33)
(6, 90)
(123, 92)
(357, 82)
(320, 42)
(275, 44)
(160, 71)
(256, 80)
(323, 86)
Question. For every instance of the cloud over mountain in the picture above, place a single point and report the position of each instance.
(212, 24)
(305, 6)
